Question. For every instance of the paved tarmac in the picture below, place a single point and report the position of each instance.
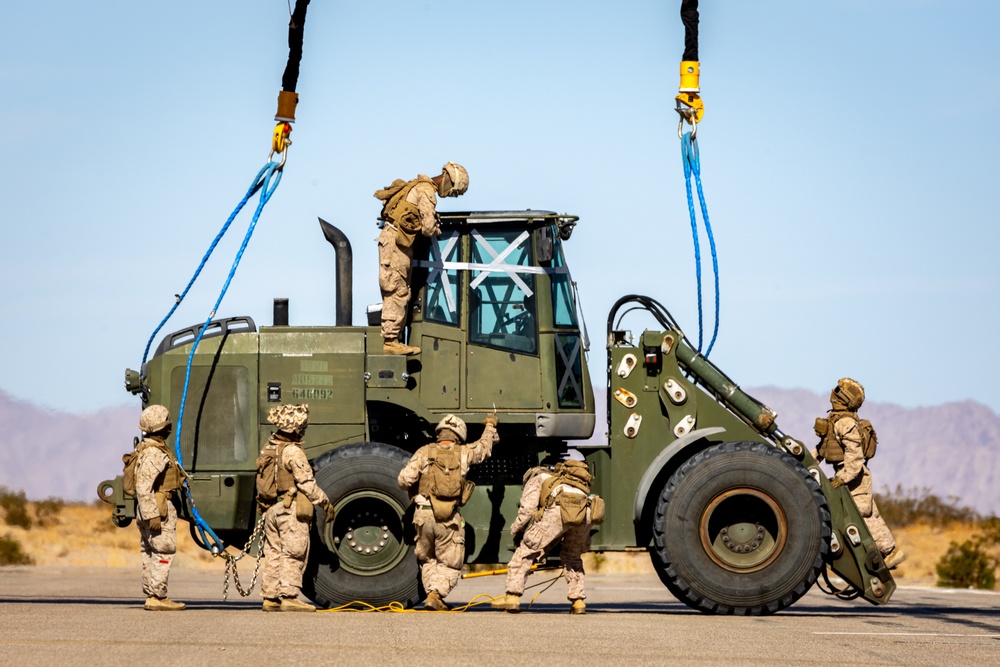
(54, 616)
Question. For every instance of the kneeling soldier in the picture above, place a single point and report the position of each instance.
(561, 508)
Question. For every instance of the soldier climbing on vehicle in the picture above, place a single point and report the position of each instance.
(848, 442)
(409, 208)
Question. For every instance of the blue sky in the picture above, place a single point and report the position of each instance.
(848, 156)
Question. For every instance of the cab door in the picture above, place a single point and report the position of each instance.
(503, 363)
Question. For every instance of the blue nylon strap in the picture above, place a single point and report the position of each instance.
(692, 165)
(257, 183)
(266, 182)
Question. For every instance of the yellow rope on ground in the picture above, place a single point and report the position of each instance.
(399, 608)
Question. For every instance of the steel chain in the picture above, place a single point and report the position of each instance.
(232, 560)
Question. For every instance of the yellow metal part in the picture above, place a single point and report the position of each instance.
(690, 70)
(689, 104)
(280, 140)
(691, 107)
(287, 101)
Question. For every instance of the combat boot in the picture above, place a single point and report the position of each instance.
(271, 605)
(393, 346)
(509, 602)
(154, 603)
(435, 603)
(894, 558)
(578, 607)
(292, 604)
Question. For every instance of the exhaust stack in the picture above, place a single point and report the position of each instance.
(345, 270)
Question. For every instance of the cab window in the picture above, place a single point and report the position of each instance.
(563, 310)
(502, 297)
(442, 303)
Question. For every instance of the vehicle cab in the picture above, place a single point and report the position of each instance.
(497, 319)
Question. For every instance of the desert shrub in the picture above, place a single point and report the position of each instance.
(15, 507)
(904, 507)
(967, 565)
(12, 553)
(47, 510)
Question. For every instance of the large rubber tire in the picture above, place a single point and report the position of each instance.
(366, 554)
(741, 528)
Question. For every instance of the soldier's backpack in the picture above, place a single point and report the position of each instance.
(269, 486)
(572, 506)
(831, 450)
(170, 479)
(442, 483)
(403, 214)
(128, 475)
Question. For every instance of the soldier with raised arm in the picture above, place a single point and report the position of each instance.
(436, 479)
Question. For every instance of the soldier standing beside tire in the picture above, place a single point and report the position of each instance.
(157, 480)
(435, 478)
(286, 493)
(848, 442)
(561, 508)
(409, 208)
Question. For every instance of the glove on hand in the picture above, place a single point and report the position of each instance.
(154, 524)
(836, 482)
(328, 514)
(491, 420)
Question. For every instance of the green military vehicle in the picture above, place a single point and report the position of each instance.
(735, 514)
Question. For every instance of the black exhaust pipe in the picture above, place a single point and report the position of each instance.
(345, 271)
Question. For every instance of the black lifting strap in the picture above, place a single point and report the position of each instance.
(296, 29)
(689, 17)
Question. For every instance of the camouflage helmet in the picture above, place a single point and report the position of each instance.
(289, 418)
(153, 419)
(848, 394)
(453, 424)
(455, 181)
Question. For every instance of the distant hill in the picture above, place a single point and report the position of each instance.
(47, 453)
(953, 449)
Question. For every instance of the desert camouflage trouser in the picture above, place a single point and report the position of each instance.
(286, 547)
(394, 269)
(538, 539)
(440, 550)
(861, 492)
(158, 551)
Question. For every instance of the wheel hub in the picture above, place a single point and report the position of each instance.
(367, 535)
(743, 529)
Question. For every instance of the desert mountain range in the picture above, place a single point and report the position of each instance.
(952, 449)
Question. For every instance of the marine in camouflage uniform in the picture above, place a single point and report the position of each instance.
(157, 479)
(287, 521)
(440, 540)
(850, 468)
(546, 531)
(409, 208)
